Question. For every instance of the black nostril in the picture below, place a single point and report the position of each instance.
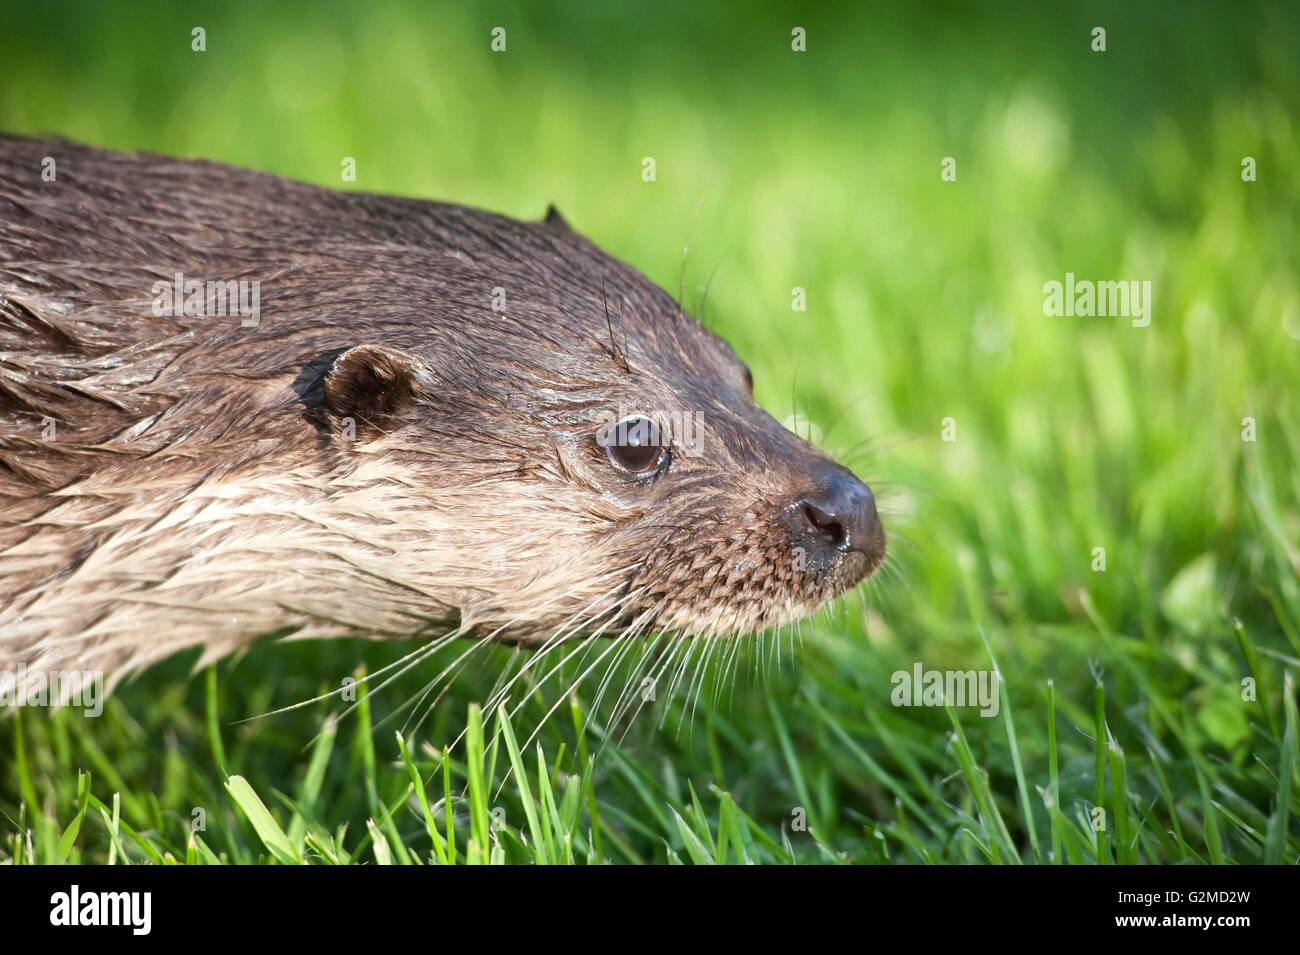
(843, 513)
(825, 523)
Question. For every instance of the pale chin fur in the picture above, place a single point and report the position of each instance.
(370, 550)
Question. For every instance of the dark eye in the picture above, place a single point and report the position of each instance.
(635, 445)
(749, 379)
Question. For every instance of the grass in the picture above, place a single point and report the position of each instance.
(1125, 733)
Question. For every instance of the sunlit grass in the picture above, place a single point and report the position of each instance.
(1125, 733)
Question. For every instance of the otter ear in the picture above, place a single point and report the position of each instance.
(371, 385)
(555, 220)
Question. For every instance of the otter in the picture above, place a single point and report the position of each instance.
(234, 405)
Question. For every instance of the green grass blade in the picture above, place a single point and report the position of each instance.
(1279, 823)
(264, 824)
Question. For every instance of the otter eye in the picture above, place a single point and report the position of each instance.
(634, 445)
(749, 378)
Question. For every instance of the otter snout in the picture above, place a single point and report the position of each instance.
(837, 520)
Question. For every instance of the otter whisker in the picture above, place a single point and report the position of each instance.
(628, 693)
(773, 637)
(621, 641)
(416, 701)
(695, 686)
(729, 661)
(589, 645)
(869, 445)
(533, 735)
(704, 298)
(685, 643)
(775, 655)
(631, 636)
(689, 650)
(671, 661)
(460, 663)
(554, 643)
(615, 352)
(632, 683)
(630, 642)
(839, 416)
(556, 640)
(698, 678)
(682, 644)
(624, 642)
(421, 652)
(444, 642)
(704, 674)
(686, 248)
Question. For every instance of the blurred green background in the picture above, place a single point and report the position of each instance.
(821, 170)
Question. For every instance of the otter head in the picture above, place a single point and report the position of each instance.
(571, 454)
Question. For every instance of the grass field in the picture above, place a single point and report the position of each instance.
(1152, 679)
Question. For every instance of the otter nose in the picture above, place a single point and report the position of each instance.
(842, 514)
